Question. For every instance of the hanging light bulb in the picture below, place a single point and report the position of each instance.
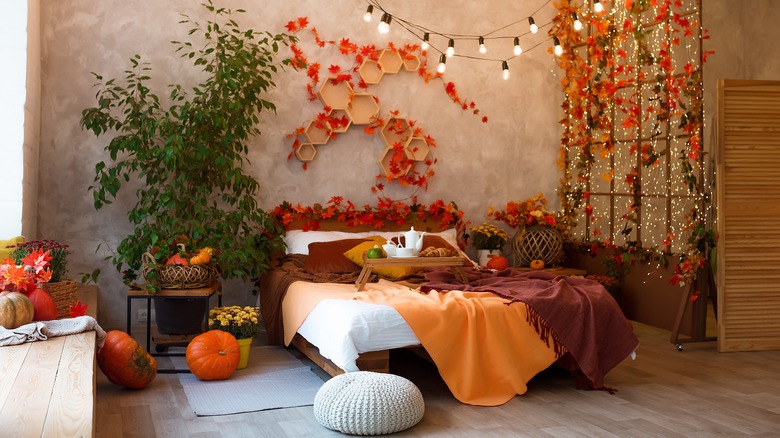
(517, 50)
(367, 15)
(534, 27)
(482, 48)
(505, 68)
(425, 44)
(450, 48)
(577, 22)
(558, 49)
(384, 24)
(597, 6)
(442, 64)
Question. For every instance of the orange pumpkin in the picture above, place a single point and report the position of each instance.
(213, 355)
(15, 310)
(498, 263)
(537, 264)
(44, 306)
(125, 362)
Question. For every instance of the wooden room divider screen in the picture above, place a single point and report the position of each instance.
(748, 195)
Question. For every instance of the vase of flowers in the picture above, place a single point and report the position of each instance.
(537, 237)
(241, 322)
(489, 240)
(61, 289)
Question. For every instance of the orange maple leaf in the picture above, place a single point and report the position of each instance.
(78, 309)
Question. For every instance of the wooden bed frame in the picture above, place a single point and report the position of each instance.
(376, 361)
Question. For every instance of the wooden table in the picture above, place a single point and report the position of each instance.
(455, 263)
(203, 293)
(47, 388)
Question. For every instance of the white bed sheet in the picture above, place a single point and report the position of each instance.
(342, 329)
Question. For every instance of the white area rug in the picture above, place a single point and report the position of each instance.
(273, 379)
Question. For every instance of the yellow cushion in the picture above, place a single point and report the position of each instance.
(392, 272)
(6, 252)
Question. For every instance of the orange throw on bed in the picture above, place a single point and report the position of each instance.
(457, 328)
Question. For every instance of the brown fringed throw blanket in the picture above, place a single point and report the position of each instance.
(583, 317)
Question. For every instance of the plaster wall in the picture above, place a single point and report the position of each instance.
(511, 157)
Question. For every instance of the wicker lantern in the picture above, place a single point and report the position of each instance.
(537, 243)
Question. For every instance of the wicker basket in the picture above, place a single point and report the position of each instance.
(177, 276)
(537, 243)
(64, 295)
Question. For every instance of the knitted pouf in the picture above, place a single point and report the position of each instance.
(368, 403)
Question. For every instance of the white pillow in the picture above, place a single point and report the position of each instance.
(298, 241)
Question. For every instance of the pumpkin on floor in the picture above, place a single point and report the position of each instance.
(125, 362)
(15, 310)
(213, 355)
(43, 304)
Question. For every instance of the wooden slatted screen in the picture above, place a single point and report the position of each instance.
(748, 195)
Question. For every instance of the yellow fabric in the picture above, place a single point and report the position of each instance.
(392, 272)
(6, 252)
(484, 349)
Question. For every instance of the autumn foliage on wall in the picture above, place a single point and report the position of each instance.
(399, 165)
(632, 126)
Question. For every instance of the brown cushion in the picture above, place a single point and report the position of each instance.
(439, 242)
(328, 257)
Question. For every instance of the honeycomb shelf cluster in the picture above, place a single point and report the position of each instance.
(347, 108)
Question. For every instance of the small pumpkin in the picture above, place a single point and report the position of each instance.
(45, 309)
(499, 263)
(15, 310)
(213, 355)
(537, 264)
(125, 362)
(180, 258)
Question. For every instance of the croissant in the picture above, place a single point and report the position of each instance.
(432, 251)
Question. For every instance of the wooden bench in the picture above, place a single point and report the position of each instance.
(47, 388)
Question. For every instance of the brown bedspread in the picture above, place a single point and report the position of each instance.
(582, 316)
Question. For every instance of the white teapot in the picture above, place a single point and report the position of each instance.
(412, 239)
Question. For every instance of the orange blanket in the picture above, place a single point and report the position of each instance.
(485, 350)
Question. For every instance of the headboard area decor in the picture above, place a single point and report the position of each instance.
(387, 215)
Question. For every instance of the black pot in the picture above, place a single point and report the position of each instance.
(179, 316)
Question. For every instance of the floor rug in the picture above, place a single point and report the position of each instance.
(273, 379)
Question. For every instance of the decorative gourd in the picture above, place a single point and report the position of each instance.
(44, 306)
(125, 362)
(179, 258)
(203, 256)
(213, 355)
(15, 310)
(537, 264)
(499, 263)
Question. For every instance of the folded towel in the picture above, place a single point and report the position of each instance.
(42, 330)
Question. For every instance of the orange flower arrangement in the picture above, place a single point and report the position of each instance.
(530, 212)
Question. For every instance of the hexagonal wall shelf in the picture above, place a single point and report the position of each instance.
(339, 120)
(396, 130)
(390, 61)
(412, 63)
(306, 152)
(370, 71)
(386, 160)
(316, 133)
(418, 148)
(335, 94)
(362, 109)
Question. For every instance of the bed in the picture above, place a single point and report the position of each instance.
(485, 338)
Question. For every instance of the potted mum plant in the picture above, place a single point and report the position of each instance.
(241, 322)
(187, 151)
(489, 240)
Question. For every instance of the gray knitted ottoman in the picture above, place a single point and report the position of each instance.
(368, 403)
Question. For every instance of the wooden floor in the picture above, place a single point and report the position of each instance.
(663, 393)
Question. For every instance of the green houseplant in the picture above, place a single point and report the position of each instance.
(186, 150)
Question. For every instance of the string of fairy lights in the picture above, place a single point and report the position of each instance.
(432, 39)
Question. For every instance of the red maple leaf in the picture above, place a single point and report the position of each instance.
(78, 309)
(303, 22)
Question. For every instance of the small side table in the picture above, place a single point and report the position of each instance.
(203, 293)
(455, 263)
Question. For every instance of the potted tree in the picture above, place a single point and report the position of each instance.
(186, 150)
